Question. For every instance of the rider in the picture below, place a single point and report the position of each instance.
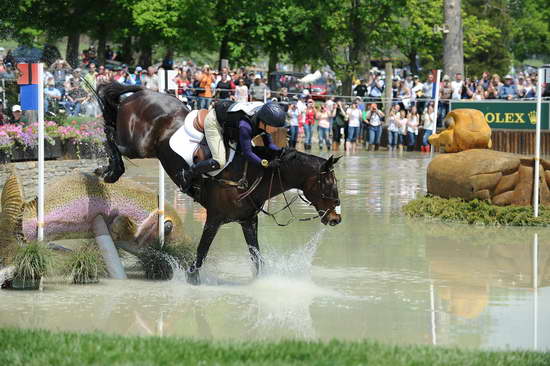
(241, 122)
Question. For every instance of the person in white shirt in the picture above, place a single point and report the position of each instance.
(456, 86)
(241, 92)
(429, 119)
(354, 122)
(374, 117)
(402, 123)
(393, 127)
(413, 120)
(293, 115)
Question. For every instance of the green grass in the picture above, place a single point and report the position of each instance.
(475, 212)
(39, 347)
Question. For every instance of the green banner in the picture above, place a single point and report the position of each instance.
(509, 115)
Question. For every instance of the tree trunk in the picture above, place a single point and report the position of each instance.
(412, 63)
(224, 51)
(73, 43)
(388, 89)
(101, 45)
(453, 50)
(146, 56)
(273, 60)
(127, 55)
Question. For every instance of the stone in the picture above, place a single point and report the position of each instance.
(498, 177)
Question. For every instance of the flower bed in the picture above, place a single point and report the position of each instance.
(68, 140)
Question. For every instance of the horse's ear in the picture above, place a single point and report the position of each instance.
(335, 160)
(327, 165)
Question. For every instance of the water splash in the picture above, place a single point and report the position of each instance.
(296, 264)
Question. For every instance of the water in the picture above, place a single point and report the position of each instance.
(377, 275)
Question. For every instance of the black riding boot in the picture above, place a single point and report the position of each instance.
(197, 169)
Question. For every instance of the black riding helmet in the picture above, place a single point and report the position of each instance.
(272, 114)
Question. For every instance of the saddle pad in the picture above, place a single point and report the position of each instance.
(186, 140)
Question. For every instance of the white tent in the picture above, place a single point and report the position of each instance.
(310, 78)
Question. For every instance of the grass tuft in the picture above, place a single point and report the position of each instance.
(158, 261)
(85, 265)
(475, 212)
(32, 261)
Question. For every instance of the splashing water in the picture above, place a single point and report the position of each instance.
(296, 264)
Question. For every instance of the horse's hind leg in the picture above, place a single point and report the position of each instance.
(250, 231)
(115, 169)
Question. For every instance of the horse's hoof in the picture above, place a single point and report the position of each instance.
(101, 171)
(193, 278)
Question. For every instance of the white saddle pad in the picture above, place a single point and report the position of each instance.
(186, 140)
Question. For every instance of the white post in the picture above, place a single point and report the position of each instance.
(436, 101)
(162, 88)
(108, 249)
(40, 220)
(265, 95)
(535, 290)
(432, 307)
(537, 145)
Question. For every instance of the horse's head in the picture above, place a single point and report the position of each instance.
(322, 191)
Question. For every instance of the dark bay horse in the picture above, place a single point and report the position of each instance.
(140, 126)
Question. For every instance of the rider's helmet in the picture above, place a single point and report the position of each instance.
(271, 114)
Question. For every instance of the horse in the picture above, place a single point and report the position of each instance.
(140, 126)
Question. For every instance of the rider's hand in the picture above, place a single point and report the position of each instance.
(275, 163)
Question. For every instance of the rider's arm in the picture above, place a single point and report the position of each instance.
(268, 141)
(245, 140)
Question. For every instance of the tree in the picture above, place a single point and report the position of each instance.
(453, 44)
(530, 29)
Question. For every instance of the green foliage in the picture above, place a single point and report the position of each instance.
(85, 265)
(159, 261)
(32, 261)
(40, 347)
(531, 30)
(475, 212)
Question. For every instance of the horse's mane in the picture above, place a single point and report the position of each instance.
(298, 159)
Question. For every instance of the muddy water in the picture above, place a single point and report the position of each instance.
(378, 275)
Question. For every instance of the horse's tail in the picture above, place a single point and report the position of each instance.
(109, 96)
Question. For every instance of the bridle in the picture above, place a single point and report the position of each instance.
(320, 213)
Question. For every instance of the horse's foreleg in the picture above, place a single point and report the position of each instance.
(250, 231)
(208, 233)
(115, 169)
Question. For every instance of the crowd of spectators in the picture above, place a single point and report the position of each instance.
(359, 118)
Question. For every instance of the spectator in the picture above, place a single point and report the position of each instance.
(530, 90)
(324, 127)
(91, 76)
(137, 75)
(283, 99)
(52, 96)
(402, 123)
(223, 88)
(376, 88)
(339, 122)
(75, 98)
(485, 80)
(3, 117)
(150, 80)
(393, 127)
(109, 54)
(413, 120)
(354, 120)
(479, 93)
(309, 122)
(258, 90)
(404, 95)
(374, 117)
(17, 115)
(508, 91)
(429, 121)
(60, 70)
(456, 87)
(445, 93)
(102, 76)
(362, 89)
(468, 89)
(182, 84)
(206, 81)
(492, 91)
(241, 92)
(294, 124)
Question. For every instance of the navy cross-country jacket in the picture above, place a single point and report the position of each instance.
(245, 141)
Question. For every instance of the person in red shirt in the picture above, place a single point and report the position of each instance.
(310, 114)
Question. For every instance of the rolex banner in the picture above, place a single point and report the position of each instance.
(509, 115)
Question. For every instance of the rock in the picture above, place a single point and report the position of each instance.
(498, 177)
